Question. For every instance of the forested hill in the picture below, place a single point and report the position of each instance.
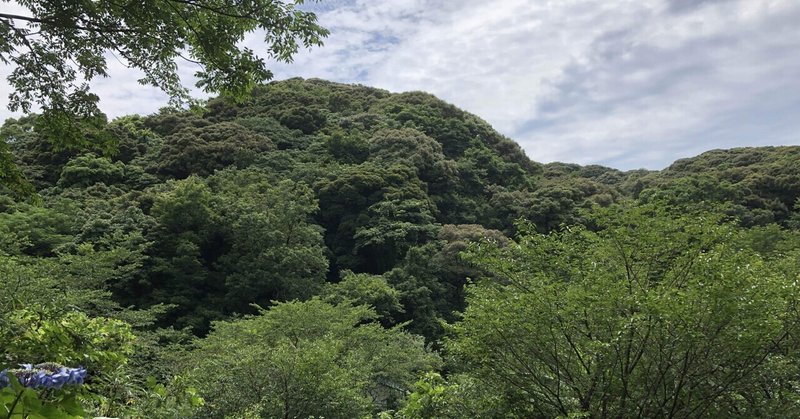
(340, 196)
(332, 178)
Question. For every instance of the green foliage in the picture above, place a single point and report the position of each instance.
(274, 252)
(392, 228)
(453, 128)
(55, 310)
(303, 359)
(11, 177)
(40, 160)
(282, 136)
(52, 70)
(16, 400)
(201, 151)
(460, 397)
(236, 240)
(652, 315)
(87, 170)
(37, 230)
(416, 150)
(757, 185)
(153, 399)
(349, 149)
(429, 398)
(70, 338)
(431, 279)
(374, 215)
(179, 273)
(354, 205)
(365, 289)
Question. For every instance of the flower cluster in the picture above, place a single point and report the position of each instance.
(45, 376)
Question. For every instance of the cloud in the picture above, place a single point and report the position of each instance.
(623, 83)
(676, 85)
(628, 83)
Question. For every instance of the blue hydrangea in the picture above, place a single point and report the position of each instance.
(45, 376)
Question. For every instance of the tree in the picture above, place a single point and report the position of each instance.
(393, 226)
(365, 289)
(758, 186)
(201, 151)
(220, 244)
(271, 249)
(651, 316)
(58, 311)
(184, 248)
(372, 215)
(460, 396)
(56, 48)
(414, 149)
(305, 359)
(88, 169)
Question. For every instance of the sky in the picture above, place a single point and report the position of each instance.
(623, 83)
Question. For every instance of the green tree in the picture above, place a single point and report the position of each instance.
(305, 359)
(201, 151)
(27, 155)
(37, 229)
(184, 250)
(758, 186)
(89, 169)
(460, 396)
(393, 226)
(431, 279)
(57, 310)
(653, 315)
(220, 244)
(372, 215)
(365, 289)
(272, 250)
(416, 150)
(55, 49)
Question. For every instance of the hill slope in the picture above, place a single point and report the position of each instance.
(304, 252)
(309, 181)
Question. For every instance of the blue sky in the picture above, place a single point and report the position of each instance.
(623, 83)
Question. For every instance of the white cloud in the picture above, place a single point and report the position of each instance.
(628, 83)
(625, 83)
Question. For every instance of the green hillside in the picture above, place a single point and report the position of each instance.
(334, 250)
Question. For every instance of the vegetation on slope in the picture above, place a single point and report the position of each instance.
(318, 248)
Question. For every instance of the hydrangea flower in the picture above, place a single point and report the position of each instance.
(46, 376)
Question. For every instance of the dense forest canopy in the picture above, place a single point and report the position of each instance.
(320, 249)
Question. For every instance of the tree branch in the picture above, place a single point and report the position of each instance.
(75, 26)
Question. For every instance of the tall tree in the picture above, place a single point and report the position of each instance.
(652, 316)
